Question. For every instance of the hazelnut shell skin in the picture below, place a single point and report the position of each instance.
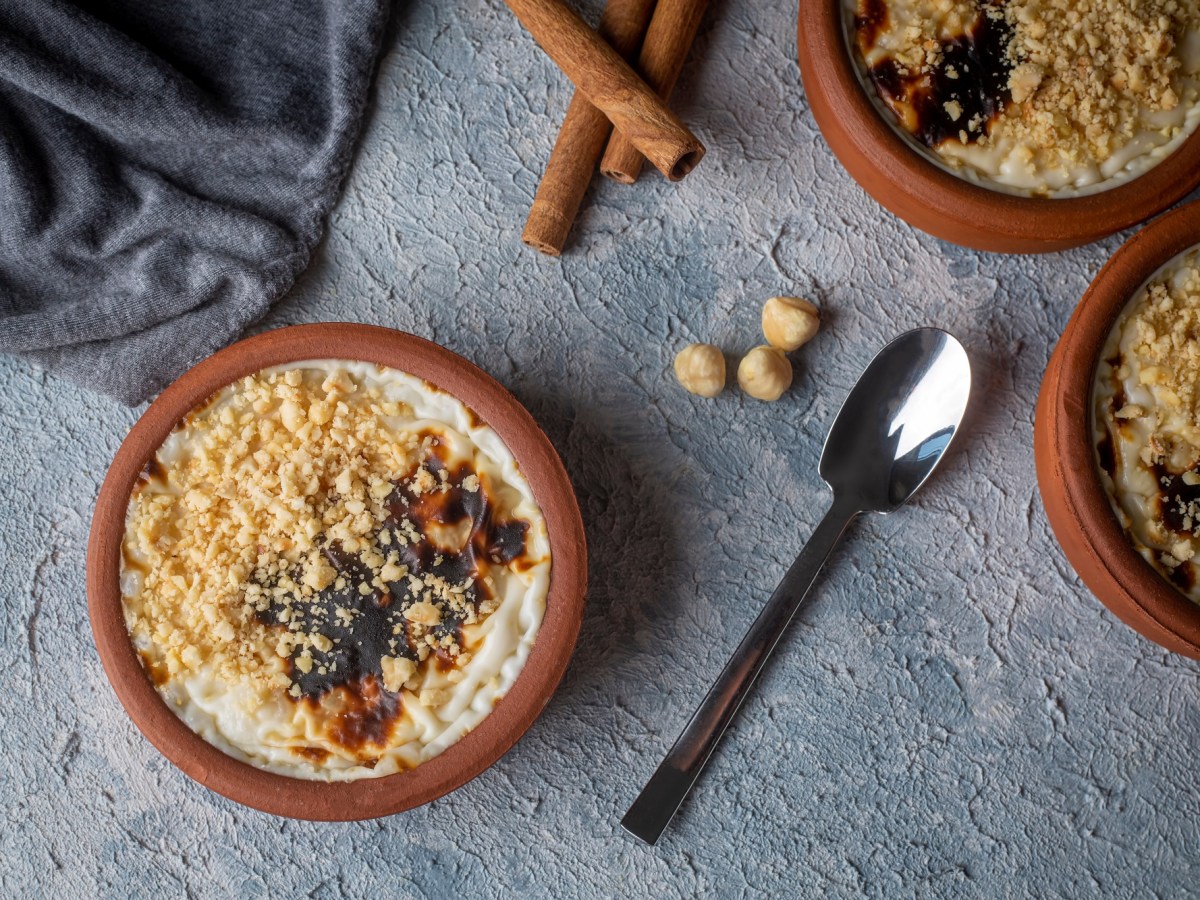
(700, 370)
(788, 323)
(765, 373)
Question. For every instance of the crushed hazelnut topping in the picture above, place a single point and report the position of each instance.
(313, 558)
(1147, 421)
(269, 487)
(273, 542)
(1050, 85)
(1085, 71)
(1166, 340)
(396, 671)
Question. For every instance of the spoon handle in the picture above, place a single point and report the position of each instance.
(669, 784)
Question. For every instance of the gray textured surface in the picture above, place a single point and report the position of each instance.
(953, 715)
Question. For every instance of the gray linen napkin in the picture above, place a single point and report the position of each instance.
(166, 168)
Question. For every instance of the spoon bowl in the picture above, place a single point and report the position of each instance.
(897, 421)
(887, 439)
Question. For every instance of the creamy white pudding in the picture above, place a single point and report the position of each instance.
(1146, 421)
(1051, 98)
(333, 570)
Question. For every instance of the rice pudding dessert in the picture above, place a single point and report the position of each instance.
(333, 570)
(1146, 421)
(1047, 98)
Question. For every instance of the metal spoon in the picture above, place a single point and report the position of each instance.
(888, 437)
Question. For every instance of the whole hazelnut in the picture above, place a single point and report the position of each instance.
(764, 373)
(700, 368)
(789, 322)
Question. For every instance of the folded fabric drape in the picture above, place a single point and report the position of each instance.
(166, 169)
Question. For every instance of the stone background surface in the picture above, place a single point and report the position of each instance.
(953, 714)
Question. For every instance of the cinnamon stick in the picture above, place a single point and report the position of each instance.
(611, 85)
(581, 139)
(668, 40)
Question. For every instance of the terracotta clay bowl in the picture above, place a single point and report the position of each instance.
(1076, 502)
(904, 181)
(370, 797)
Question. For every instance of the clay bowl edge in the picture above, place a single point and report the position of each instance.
(1076, 502)
(900, 179)
(512, 716)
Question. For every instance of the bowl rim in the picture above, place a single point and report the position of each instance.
(364, 798)
(1066, 415)
(832, 81)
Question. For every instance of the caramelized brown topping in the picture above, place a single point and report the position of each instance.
(434, 589)
(301, 543)
(956, 95)
(1071, 80)
(367, 716)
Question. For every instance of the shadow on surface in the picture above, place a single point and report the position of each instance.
(634, 577)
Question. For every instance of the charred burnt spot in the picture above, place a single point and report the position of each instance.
(152, 471)
(1178, 501)
(1119, 398)
(367, 718)
(364, 624)
(156, 670)
(958, 97)
(1106, 454)
(1178, 505)
(1105, 444)
(870, 21)
(1182, 576)
(193, 414)
(488, 537)
(315, 755)
(1106, 448)
(473, 417)
(507, 542)
(362, 627)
